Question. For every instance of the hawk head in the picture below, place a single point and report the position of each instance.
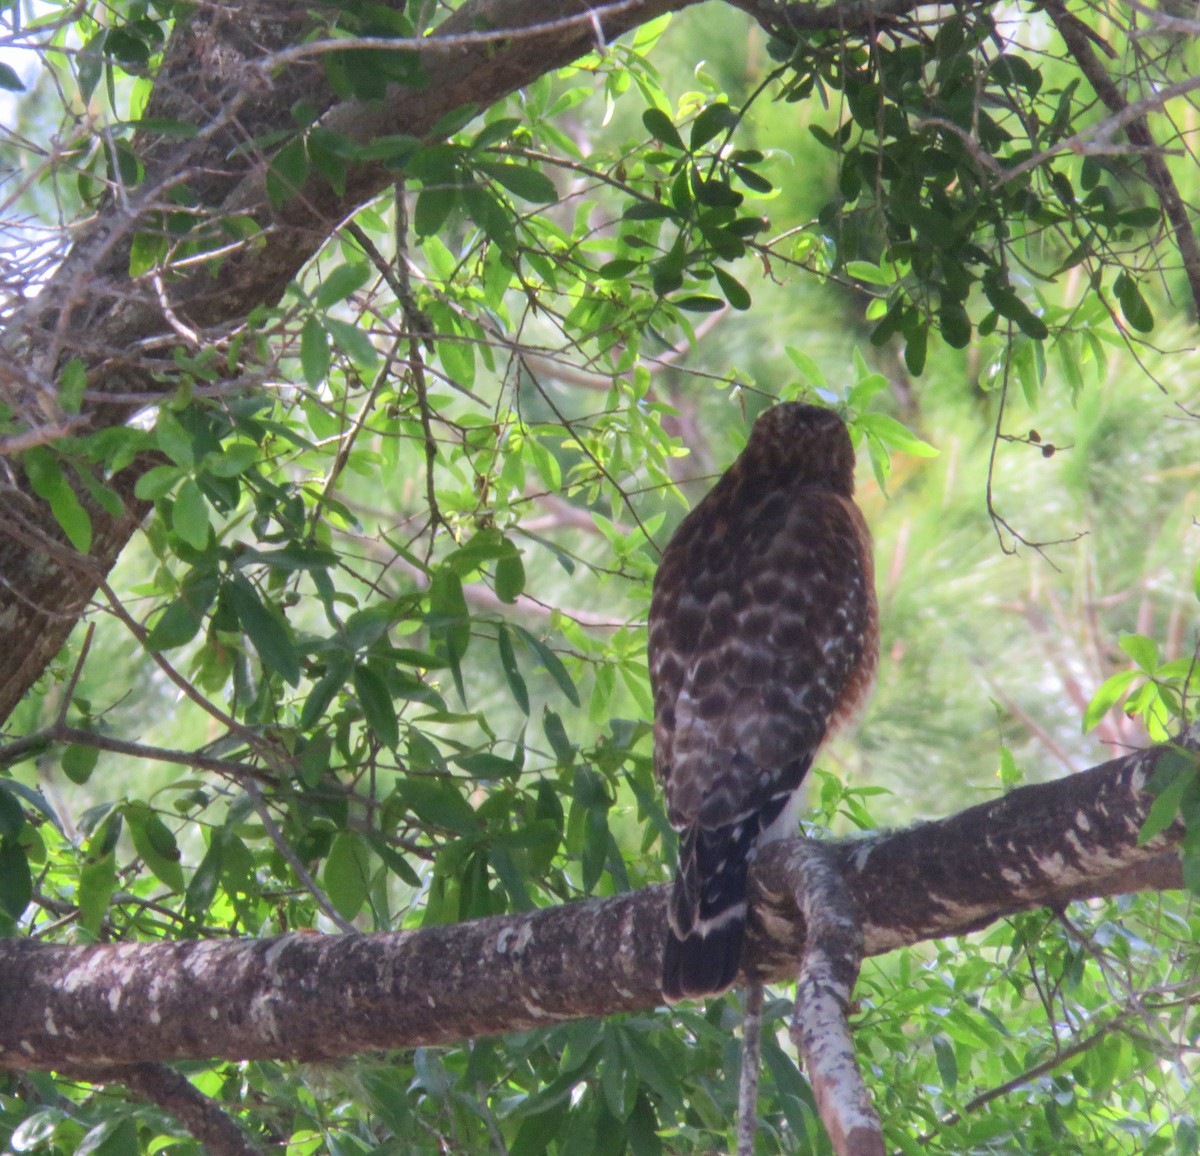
(803, 441)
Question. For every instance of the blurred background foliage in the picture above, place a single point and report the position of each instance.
(406, 522)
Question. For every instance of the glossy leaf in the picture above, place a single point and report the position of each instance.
(266, 630)
(377, 706)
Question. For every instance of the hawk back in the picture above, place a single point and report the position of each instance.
(763, 639)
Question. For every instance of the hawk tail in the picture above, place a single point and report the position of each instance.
(707, 917)
(706, 920)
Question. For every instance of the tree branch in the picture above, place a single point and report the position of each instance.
(314, 997)
(200, 1115)
(820, 1028)
(1077, 36)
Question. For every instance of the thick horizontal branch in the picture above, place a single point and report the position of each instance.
(314, 997)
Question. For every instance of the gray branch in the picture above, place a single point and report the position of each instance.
(314, 997)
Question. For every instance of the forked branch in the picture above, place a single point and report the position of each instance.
(829, 968)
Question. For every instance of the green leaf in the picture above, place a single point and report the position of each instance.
(715, 119)
(595, 848)
(752, 180)
(896, 436)
(12, 817)
(434, 206)
(156, 844)
(512, 673)
(174, 440)
(344, 280)
(1187, 1136)
(556, 736)
(178, 624)
(354, 342)
(947, 1062)
(716, 193)
(699, 303)
(915, 347)
(510, 573)
(648, 211)
(156, 482)
(487, 766)
(528, 183)
(71, 384)
(490, 213)
(79, 761)
(378, 708)
(1006, 302)
(97, 882)
(73, 518)
(46, 477)
(1107, 696)
(115, 1137)
(393, 861)
(437, 802)
(189, 515)
(231, 461)
(661, 127)
(265, 628)
(1143, 650)
(288, 172)
(9, 79)
(347, 874)
(16, 880)
(807, 366)
(617, 269)
(735, 292)
(454, 120)
(323, 691)
(552, 664)
(1173, 774)
(449, 617)
(955, 324)
(314, 352)
(871, 274)
(1133, 304)
(202, 887)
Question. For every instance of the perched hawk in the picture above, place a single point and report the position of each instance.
(763, 640)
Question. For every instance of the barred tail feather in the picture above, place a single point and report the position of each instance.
(706, 961)
(707, 916)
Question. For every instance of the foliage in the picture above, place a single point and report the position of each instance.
(377, 657)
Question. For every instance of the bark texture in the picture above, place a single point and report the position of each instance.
(820, 1025)
(313, 997)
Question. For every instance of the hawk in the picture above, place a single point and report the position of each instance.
(763, 641)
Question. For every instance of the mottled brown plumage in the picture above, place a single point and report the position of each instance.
(763, 640)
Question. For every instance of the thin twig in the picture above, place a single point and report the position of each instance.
(62, 733)
(73, 682)
(419, 334)
(293, 860)
(751, 1065)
